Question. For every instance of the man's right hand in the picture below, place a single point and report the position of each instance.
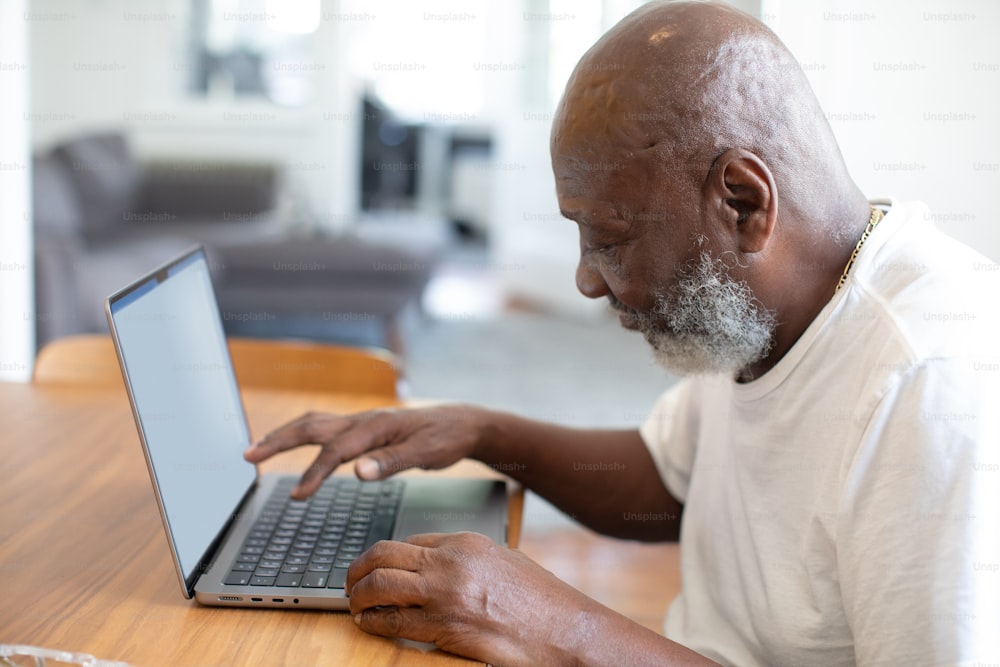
(384, 442)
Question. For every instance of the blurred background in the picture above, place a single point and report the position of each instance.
(376, 171)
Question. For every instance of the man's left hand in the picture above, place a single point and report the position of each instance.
(469, 596)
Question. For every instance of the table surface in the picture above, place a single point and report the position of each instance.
(85, 562)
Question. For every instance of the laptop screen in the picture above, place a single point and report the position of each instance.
(171, 341)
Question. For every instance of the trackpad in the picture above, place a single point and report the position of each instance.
(442, 505)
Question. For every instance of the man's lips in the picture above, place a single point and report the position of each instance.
(627, 320)
(627, 317)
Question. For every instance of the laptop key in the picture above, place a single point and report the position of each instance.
(338, 577)
(244, 567)
(314, 579)
(289, 579)
(261, 581)
(237, 579)
(381, 530)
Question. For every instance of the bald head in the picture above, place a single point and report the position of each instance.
(714, 209)
(676, 84)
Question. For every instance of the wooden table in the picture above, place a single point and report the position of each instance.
(85, 564)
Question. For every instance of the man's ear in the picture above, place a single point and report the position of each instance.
(741, 190)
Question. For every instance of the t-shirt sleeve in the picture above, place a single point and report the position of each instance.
(668, 433)
(918, 532)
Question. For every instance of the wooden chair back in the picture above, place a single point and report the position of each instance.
(259, 363)
(306, 366)
(78, 359)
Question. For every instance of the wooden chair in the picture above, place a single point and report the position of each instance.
(265, 364)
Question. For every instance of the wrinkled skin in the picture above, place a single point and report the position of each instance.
(465, 594)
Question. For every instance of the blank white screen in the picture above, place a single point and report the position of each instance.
(184, 390)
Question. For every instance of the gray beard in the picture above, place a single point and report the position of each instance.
(706, 323)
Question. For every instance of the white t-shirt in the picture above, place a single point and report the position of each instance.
(843, 508)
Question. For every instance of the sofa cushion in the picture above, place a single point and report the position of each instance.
(228, 190)
(335, 279)
(324, 261)
(107, 180)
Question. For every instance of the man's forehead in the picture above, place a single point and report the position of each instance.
(609, 208)
(599, 166)
(586, 180)
(602, 166)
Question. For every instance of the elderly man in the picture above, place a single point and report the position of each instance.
(827, 466)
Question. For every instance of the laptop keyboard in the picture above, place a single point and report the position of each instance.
(311, 543)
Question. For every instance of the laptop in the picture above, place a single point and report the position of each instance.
(236, 536)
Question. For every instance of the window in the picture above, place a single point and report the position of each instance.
(255, 48)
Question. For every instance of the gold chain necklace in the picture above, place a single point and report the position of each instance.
(873, 221)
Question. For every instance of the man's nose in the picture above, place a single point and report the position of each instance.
(589, 280)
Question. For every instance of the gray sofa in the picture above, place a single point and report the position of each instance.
(102, 218)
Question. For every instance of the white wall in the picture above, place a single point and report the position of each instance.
(16, 302)
(913, 93)
(97, 64)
